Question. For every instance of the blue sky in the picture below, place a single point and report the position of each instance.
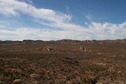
(62, 19)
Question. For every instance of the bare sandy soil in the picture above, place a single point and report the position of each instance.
(62, 63)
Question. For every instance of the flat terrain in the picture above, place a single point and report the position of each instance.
(62, 63)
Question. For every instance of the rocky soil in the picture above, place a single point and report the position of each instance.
(62, 63)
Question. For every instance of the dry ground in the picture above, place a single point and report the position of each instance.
(66, 63)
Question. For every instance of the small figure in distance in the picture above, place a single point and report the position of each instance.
(49, 49)
(83, 49)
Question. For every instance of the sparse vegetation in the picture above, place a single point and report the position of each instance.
(67, 63)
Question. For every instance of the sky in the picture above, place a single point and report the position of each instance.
(62, 19)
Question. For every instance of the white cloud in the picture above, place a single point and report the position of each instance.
(95, 30)
(28, 33)
(108, 30)
(56, 19)
(14, 7)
